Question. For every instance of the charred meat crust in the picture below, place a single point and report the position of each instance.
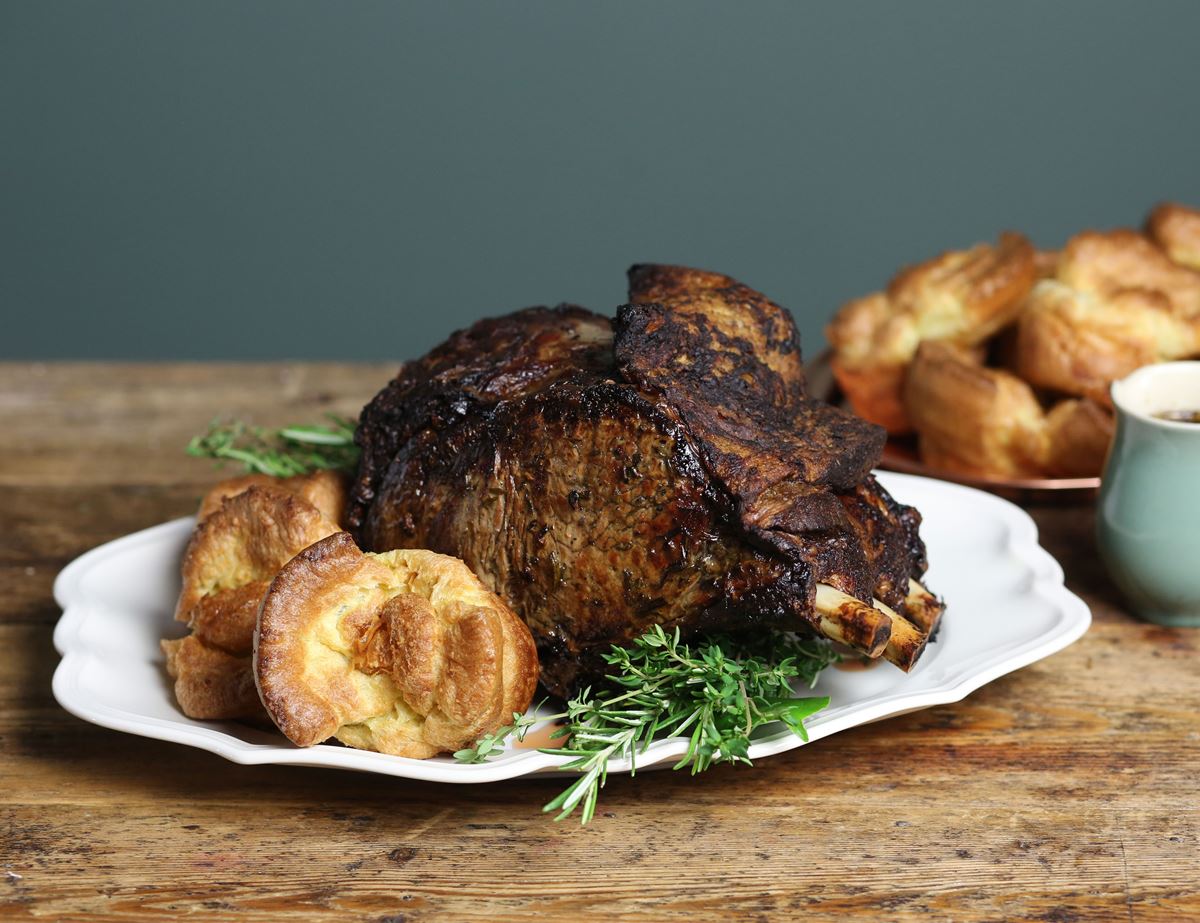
(497, 359)
(753, 425)
(746, 315)
(673, 474)
(585, 507)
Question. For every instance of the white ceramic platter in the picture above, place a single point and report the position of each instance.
(1007, 608)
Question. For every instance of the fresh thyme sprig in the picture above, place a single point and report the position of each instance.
(715, 695)
(495, 741)
(280, 452)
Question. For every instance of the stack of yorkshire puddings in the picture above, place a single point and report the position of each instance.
(403, 652)
(999, 358)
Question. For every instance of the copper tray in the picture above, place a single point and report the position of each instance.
(900, 454)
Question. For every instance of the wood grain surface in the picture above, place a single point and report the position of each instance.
(1067, 791)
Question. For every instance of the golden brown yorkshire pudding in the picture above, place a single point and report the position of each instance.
(1078, 434)
(248, 529)
(870, 356)
(326, 490)
(1108, 264)
(1117, 303)
(235, 553)
(961, 297)
(976, 420)
(403, 652)
(210, 683)
(972, 419)
(1176, 228)
(1045, 263)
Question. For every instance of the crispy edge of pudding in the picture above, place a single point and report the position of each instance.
(326, 490)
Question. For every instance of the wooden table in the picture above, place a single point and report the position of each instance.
(1069, 790)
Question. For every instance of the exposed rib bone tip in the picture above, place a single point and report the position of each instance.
(851, 621)
(923, 608)
(907, 641)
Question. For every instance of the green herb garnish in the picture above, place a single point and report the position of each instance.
(494, 742)
(715, 695)
(282, 452)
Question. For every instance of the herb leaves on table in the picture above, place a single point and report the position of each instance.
(282, 452)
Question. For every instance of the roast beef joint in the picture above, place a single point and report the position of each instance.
(664, 467)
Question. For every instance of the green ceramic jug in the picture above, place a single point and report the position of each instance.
(1148, 520)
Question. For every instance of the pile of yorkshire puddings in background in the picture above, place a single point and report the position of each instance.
(999, 358)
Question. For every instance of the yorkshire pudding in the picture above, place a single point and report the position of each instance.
(961, 297)
(1176, 228)
(248, 529)
(233, 556)
(212, 684)
(1117, 303)
(977, 420)
(403, 652)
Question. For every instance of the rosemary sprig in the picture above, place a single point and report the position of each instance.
(715, 695)
(280, 452)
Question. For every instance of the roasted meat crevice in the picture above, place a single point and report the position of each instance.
(663, 468)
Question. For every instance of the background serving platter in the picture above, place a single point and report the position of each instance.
(900, 454)
(1008, 607)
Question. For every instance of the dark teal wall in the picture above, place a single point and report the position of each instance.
(356, 179)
